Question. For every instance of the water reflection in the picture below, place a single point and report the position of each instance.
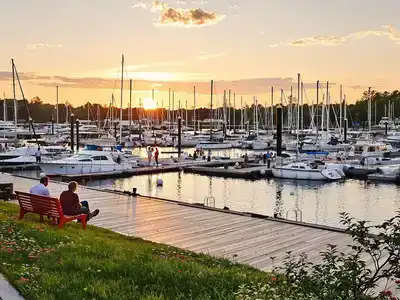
(319, 202)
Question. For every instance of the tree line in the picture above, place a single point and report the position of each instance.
(357, 113)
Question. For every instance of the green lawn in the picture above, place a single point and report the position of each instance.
(44, 262)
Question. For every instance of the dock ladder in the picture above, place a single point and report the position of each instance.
(297, 213)
(209, 201)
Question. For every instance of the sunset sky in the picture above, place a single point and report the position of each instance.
(245, 45)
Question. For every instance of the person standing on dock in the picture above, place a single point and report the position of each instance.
(156, 153)
(38, 155)
(209, 155)
(149, 154)
(268, 157)
(246, 160)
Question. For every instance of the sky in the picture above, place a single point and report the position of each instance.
(243, 45)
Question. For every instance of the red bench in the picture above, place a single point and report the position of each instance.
(46, 206)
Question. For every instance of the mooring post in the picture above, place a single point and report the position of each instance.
(52, 126)
(140, 131)
(77, 134)
(72, 117)
(179, 136)
(345, 131)
(278, 130)
(386, 128)
(115, 130)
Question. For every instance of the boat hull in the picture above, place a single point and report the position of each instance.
(59, 169)
(323, 175)
(214, 146)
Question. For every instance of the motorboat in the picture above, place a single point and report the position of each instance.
(87, 162)
(306, 171)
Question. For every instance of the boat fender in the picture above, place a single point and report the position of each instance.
(160, 182)
(262, 172)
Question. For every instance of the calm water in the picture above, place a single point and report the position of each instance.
(319, 202)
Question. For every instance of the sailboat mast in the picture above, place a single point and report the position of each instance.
(327, 108)
(369, 109)
(211, 109)
(241, 114)
(234, 112)
(130, 106)
(340, 110)
(194, 111)
(122, 96)
(298, 106)
(57, 107)
(14, 95)
(272, 108)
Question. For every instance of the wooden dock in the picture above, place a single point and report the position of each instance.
(232, 235)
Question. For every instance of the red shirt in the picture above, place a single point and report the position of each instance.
(70, 203)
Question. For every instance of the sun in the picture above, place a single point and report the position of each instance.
(149, 103)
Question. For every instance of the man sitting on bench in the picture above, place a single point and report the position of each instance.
(41, 188)
(71, 205)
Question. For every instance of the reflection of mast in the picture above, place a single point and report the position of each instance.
(210, 186)
(278, 202)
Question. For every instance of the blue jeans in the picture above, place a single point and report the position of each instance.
(85, 207)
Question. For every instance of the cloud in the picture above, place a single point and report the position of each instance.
(205, 56)
(181, 82)
(181, 2)
(140, 5)
(182, 17)
(158, 5)
(41, 46)
(188, 17)
(331, 40)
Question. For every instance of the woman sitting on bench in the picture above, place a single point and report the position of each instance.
(71, 205)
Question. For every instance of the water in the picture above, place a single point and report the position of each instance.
(319, 202)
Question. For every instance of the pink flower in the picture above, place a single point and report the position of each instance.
(23, 279)
(273, 278)
(179, 271)
(397, 281)
(387, 293)
(10, 230)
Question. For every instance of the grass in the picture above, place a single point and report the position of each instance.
(44, 262)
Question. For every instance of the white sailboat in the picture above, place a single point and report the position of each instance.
(305, 171)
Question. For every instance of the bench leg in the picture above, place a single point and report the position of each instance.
(21, 213)
(84, 222)
(61, 223)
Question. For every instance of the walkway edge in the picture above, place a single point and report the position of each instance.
(7, 291)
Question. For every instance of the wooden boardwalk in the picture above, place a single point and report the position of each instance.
(223, 234)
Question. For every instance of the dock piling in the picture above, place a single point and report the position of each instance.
(72, 119)
(345, 131)
(52, 126)
(77, 134)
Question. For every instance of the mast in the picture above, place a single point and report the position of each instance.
(57, 107)
(316, 120)
(234, 112)
(130, 106)
(241, 113)
(14, 96)
(88, 111)
(340, 110)
(327, 108)
(229, 109)
(194, 111)
(211, 109)
(302, 104)
(298, 105)
(369, 109)
(4, 113)
(186, 115)
(122, 95)
(98, 115)
(169, 110)
(173, 108)
(272, 108)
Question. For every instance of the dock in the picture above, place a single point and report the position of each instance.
(253, 171)
(237, 236)
(173, 167)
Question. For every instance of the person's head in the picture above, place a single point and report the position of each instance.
(38, 148)
(72, 186)
(44, 180)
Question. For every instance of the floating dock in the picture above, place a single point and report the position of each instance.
(253, 171)
(173, 167)
(238, 236)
